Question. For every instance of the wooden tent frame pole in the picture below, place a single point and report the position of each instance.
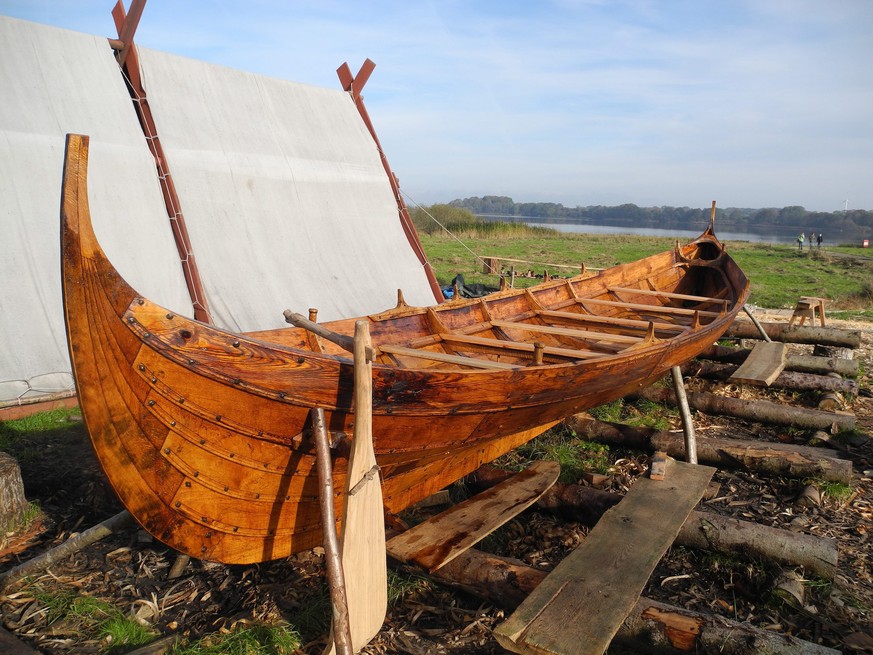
(128, 62)
(354, 86)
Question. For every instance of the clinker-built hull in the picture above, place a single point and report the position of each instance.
(204, 433)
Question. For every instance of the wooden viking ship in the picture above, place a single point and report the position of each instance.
(204, 433)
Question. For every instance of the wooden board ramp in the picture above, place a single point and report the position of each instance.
(763, 365)
(579, 607)
(440, 539)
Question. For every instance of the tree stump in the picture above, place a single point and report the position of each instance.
(13, 504)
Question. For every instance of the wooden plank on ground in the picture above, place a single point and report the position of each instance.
(763, 365)
(579, 607)
(445, 536)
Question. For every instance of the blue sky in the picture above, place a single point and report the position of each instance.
(758, 103)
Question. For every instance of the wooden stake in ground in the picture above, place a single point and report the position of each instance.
(12, 501)
(363, 526)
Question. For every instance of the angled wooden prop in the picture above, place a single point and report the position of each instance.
(363, 525)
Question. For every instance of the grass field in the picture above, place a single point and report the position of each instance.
(779, 273)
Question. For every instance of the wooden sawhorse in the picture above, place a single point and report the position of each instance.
(806, 308)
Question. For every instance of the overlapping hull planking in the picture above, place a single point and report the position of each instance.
(204, 433)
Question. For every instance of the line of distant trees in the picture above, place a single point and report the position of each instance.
(503, 207)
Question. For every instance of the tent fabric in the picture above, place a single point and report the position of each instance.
(284, 195)
(285, 198)
(54, 82)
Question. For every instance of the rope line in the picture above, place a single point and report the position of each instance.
(186, 255)
(36, 386)
(447, 230)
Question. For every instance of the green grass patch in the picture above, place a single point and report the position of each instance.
(402, 585)
(836, 490)
(12, 431)
(640, 413)
(610, 412)
(778, 272)
(93, 618)
(575, 455)
(312, 616)
(278, 639)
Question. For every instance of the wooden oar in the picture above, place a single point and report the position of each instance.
(363, 529)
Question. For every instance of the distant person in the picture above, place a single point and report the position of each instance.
(819, 239)
(800, 241)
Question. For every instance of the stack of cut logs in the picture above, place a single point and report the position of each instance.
(507, 582)
(828, 372)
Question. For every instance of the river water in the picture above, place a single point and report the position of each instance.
(785, 236)
(683, 235)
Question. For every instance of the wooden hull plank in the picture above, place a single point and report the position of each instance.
(579, 607)
(440, 539)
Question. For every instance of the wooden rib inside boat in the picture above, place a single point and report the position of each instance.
(204, 433)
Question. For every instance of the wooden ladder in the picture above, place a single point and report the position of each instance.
(579, 607)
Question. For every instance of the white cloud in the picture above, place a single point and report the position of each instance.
(581, 102)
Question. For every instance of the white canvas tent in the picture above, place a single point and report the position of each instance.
(281, 185)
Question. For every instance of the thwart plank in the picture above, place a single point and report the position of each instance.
(579, 607)
(763, 365)
(445, 536)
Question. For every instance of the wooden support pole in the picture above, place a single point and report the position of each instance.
(333, 557)
(685, 411)
(757, 323)
(72, 545)
(178, 567)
